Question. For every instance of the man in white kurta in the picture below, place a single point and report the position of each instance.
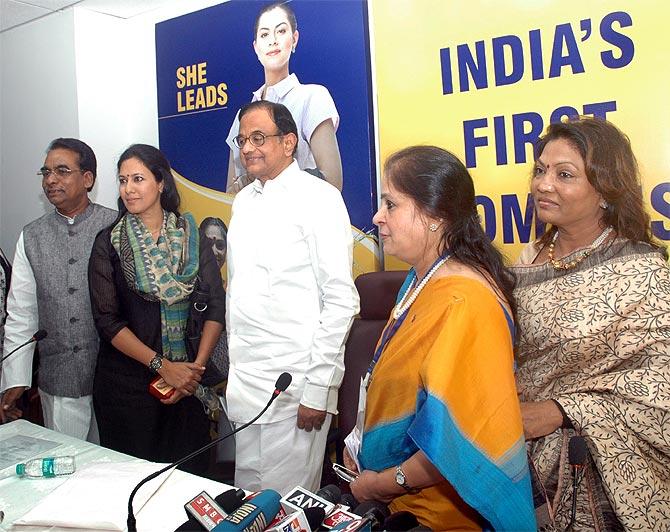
(291, 301)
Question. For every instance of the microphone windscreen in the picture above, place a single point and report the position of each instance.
(40, 335)
(230, 500)
(254, 514)
(314, 516)
(376, 510)
(283, 381)
(401, 521)
(349, 500)
(331, 493)
(577, 451)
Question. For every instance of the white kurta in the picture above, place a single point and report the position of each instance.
(291, 297)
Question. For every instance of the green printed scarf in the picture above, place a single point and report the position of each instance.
(163, 271)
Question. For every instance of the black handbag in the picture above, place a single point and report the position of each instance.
(194, 325)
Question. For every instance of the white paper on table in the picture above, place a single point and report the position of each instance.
(19, 448)
(96, 496)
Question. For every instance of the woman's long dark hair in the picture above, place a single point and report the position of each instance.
(155, 161)
(441, 187)
(612, 170)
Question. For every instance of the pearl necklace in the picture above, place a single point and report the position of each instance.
(560, 265)
(403, 305)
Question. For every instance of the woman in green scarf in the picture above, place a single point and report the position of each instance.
(142, 272)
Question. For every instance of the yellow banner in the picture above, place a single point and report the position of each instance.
(484, 79)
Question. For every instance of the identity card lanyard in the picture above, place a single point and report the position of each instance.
(388, 333)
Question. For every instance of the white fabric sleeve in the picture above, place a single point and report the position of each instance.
(22, 322)
(318, 107)
(331, 249)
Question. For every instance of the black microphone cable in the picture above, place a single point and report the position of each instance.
(282, 383)
(39, 335)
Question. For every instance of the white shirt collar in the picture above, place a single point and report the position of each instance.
(283, 179)
(280, 89)
(69, 220)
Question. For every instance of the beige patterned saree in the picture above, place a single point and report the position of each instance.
(596, 339)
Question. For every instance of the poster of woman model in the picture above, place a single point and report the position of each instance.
(312, 56)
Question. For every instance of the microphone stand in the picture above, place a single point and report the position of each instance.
(577, 455)
(132, 522)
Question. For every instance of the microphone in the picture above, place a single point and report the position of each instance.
(282, 383)
(300, 521)
(349, 500)
(39, 335)
(577, 454)
(254, 514)
(337, 517)
(230, 500)
(401, 521)
(372, 513)
(315, 517)
(331, 493)
(299, 498)
(205, 511)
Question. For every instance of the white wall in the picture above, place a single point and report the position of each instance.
(103, 88)
(38, 102)
(75, 73)
(1, 73)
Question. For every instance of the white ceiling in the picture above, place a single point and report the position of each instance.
(16, 12)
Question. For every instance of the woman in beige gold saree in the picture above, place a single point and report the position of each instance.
(593, 350)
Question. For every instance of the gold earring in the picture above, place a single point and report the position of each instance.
(433, 227)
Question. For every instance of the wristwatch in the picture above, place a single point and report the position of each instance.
(156, 363)
(401, 480)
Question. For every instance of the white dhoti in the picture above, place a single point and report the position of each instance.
(73, 416)
(280, 456)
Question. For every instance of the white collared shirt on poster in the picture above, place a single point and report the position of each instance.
(291, 297)
(310, 105)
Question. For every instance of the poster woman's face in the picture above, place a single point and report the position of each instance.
(215, 234)
(274, 39)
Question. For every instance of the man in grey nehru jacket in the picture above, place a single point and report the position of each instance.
(49, 290)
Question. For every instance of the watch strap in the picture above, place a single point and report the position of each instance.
(156, 363)
(401, 480)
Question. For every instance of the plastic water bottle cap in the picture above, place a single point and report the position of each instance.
(20, 469)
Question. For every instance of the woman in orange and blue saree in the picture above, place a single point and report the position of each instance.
(440, 425)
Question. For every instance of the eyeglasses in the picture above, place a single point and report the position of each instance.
(60, 171)
(256, 138)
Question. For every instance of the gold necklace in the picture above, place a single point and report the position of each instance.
(560, 265)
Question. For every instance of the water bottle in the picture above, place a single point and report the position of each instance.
(46, 467)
